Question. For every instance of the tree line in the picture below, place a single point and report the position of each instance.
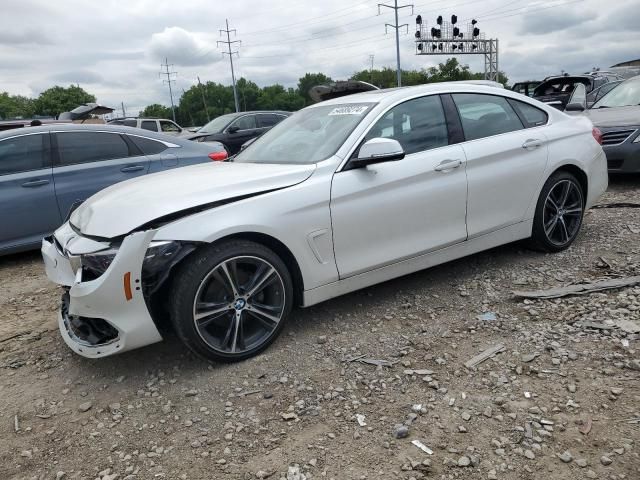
(218, 98)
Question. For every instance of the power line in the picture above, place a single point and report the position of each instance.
(397, 28)
(228, 43)
(168, 81)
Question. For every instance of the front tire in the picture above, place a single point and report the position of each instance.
(559, 213)
(229, 301)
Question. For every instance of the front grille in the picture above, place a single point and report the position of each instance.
(616, 137)
(614, 164)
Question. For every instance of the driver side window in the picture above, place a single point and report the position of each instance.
(418, 125)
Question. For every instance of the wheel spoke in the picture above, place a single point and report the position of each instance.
(229, 279)
(551, 226)
(552, 203)
(262, 278)
(236, 328)
(575, 212)
(564, 230)
(566, 189)
(207, 312)
(263, 312)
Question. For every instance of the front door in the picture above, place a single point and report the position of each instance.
(28, 209)
(396, 210)
(87, 162)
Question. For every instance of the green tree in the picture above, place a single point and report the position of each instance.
(308, 81)
(156, 111)
(16, 106)
(56, 100)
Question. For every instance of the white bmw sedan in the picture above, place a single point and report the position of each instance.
(339, 196)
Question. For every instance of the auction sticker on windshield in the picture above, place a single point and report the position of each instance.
(349, 110)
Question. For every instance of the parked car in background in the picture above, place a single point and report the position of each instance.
(342, 195)
(47, 170)
(163, 125)
(234, 129)
(594, 95)
(556, 91)
(526, 88)
(617, 115)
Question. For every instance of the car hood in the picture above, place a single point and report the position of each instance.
(615, 117)
(123, 207)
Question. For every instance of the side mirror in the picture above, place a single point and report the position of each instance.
(377, 150)
(574, 107)
(233, 129)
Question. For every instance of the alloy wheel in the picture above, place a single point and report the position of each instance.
(239, 304)
(562, 215)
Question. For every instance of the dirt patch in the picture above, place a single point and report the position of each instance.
(561, 401)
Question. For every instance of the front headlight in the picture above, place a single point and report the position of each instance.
(637, 140)
(95, 264)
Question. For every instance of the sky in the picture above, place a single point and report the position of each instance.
(114, 48)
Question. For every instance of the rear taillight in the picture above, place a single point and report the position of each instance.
(218, 156)
(597, 134)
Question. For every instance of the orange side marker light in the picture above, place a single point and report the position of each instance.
(127, 286)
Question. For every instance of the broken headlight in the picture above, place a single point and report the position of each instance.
(161, 256)
(95, 264)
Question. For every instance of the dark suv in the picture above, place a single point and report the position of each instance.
(234, 129)
(556, 91)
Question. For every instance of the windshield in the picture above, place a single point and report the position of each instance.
(217, 124)
(308, 136)
(625, 94)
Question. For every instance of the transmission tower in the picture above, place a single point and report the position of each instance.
(228, 43)
(168, 81)
(204, 102)
(397, 28)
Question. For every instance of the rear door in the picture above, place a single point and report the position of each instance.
(28, 209)
(505, 160)
(88, 161)
(151, 125)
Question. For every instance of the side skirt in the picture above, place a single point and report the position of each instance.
(503, 236)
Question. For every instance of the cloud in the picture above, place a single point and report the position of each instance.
(24, 37)
(549, 21)
(181, 47)
(78, 76)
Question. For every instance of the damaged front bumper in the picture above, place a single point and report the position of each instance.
(104, 315)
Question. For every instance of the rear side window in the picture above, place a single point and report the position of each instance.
(149, 125)
(129, 123)
(85, 147)
(485, 115)
(534, 117)
(22, 154)
(418, 125)
(148, 146)
(269, 120)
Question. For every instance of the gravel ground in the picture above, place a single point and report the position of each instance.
(561, 401)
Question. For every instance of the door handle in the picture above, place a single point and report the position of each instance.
(132, 168)
(35, 183)
(447, 165)
(532, 143)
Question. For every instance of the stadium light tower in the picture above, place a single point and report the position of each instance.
(447, 38)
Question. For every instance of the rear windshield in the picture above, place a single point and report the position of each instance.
(560, 85)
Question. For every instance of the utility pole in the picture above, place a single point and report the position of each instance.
(204, 101)
(124, 114)
(168, 81)
(397, 28)
(228, 43)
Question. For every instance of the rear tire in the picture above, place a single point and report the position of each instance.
(559, 213)
(230, 301)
